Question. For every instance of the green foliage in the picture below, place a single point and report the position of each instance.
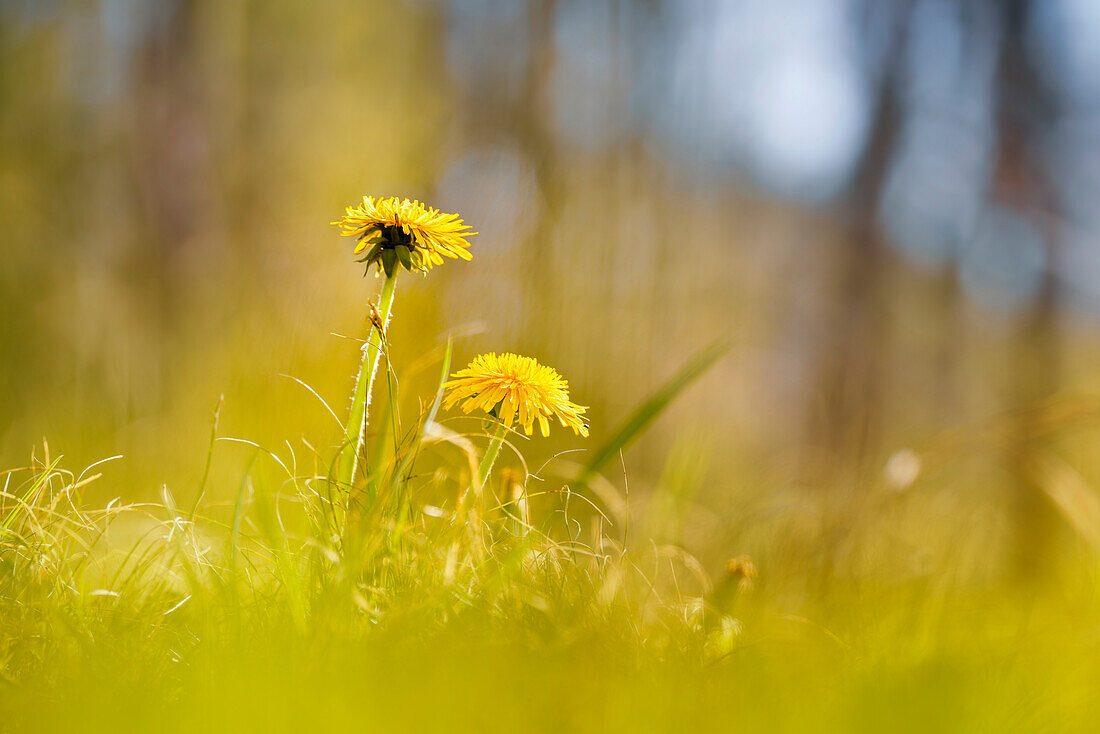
(428, 603)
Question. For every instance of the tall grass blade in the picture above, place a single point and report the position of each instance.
(429, 419)
(209, 459)
(400, 473)
(286, 567)
(238, 517)
(30, 497)
(655, 405)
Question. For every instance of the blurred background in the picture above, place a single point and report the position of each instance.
(888, 205)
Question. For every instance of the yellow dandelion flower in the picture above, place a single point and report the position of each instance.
(392, 231)
(515, 389)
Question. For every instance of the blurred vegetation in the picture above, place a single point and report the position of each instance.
(902, 436)
(169, 171)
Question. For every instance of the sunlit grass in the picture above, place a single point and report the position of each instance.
(426, 554)
(422, 576)
(427, 605)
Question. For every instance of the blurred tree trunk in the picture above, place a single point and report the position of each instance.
(1020, 182)
(532, 107)
(170, 165)
(845, 419)
(508, 113)
(537, 142)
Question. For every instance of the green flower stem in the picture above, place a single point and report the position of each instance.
(491, 454)
(364, 382)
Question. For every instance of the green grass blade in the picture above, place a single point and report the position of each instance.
(410, 455)
(189, 570)
(287, 569)
(405, 467)
(443, 375)
(209, 459)
(238, 516)
(655, 405)
(30, 497)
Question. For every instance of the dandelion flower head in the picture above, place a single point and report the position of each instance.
(515, 389)
(393, 231)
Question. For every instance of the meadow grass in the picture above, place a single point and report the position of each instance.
(401, 581)
(123, 613)
(434, 607)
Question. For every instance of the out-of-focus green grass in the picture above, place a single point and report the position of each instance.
(474, 677)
